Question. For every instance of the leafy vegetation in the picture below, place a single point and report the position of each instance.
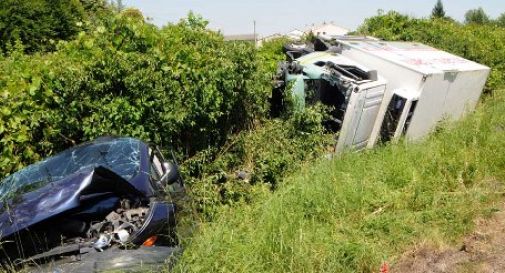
(182, 86)
(500, 21)
(270, 54)
(39, 24)
(253, 161)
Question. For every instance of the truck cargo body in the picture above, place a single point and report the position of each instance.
(399, 88)
(443, 85)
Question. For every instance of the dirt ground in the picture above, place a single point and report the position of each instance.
(483, 251)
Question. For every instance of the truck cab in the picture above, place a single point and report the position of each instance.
(352, 91)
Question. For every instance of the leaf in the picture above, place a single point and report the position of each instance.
(35, 85)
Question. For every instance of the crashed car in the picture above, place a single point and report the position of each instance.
(97, 206)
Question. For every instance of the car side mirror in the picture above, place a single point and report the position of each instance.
(170, 173)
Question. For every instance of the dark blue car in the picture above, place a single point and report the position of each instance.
(97, 206)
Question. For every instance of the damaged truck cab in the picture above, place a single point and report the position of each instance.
(108, 195)
(353, 91)
(379, 91)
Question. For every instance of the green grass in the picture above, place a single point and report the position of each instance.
(351, 213)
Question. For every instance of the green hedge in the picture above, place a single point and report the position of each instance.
(181, 86)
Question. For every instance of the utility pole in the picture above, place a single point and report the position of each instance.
(254, 29)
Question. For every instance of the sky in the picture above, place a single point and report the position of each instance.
(281, 16)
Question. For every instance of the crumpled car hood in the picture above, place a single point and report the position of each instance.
(60, 196)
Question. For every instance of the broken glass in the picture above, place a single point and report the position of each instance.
(120, 155)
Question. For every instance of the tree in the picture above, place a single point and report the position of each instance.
(438, 11)
(500, 21)
(476, 16)
(133, 13)
(97, 10)
(38, 24)
(118, 5)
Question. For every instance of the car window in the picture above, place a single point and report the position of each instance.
(121, 156)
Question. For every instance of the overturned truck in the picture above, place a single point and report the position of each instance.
(101, 205)
(379, 91)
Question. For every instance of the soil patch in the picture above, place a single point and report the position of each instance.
(483, 251)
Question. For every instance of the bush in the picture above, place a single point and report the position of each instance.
(270, 54)
(181, 86)
(253, 161)
(38, 24)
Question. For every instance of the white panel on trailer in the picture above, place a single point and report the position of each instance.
(463, 87)
(430, 106)
(447, 85)
(410, 79)
(415, 56)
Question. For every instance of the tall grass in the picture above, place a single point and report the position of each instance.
(351, 213)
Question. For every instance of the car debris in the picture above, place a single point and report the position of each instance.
(104, 196)
(379, 91)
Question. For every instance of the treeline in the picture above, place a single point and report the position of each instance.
(472, 16)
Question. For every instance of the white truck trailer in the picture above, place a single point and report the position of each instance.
(385, 90)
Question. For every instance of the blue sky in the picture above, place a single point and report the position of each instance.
(236, 16)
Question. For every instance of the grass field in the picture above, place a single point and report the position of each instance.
(352, 213)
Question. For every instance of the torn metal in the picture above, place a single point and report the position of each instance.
(353, 92)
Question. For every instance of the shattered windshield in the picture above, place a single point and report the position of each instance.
(121, 155)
